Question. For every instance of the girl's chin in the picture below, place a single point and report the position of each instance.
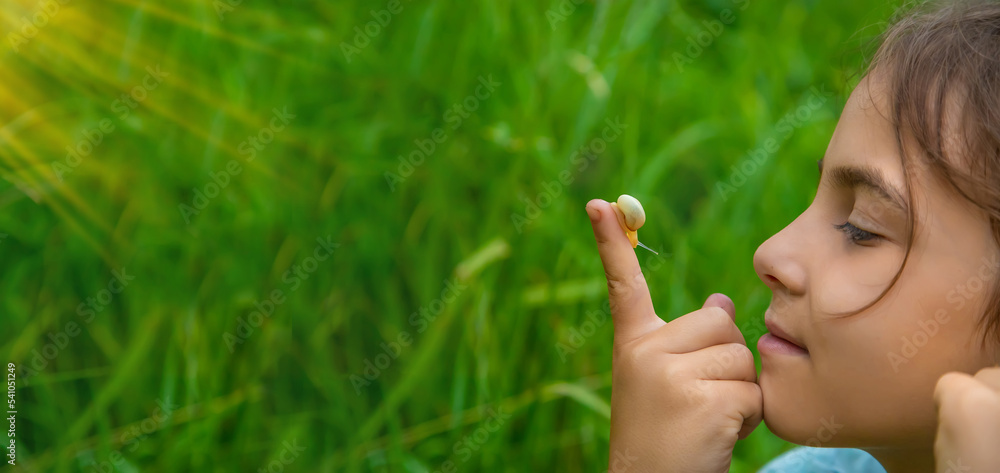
(788, 412)
(808, 430)
(796, 412)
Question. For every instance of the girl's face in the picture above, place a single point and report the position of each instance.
(867, 379)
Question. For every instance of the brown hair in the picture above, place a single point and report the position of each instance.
(933, 52)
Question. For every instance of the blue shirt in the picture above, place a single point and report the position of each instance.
(824, 460)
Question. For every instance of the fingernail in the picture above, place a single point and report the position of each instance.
(595, 214)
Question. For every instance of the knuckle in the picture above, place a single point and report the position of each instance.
(742, 355)
(988, 372)
(674, 370)
(961, 403)
(717, 401)
(974, 403)
(624, 286)
(617, 288)
(635, 354)
(624, 296)
(945, 385)
(697, 393)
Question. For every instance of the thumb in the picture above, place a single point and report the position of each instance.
(721, 300)
(755, 405)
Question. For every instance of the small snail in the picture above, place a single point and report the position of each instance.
(631, 217)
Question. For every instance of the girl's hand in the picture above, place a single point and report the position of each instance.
(682, 392)
(968, 436)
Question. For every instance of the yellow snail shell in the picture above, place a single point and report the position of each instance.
(631, 216)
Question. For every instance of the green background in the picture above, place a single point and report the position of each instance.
(505, 300)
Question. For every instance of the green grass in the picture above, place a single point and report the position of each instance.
(500, 341)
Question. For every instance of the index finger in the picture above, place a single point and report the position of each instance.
(628, 295)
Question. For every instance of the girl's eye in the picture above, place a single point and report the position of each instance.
(856, 234)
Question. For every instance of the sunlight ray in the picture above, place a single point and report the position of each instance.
(194, 25)
(178, 75)
(169, 114)
(43, 184)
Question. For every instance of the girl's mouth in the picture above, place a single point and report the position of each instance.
(778, 342)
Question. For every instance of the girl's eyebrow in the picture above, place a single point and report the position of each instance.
(871, 178)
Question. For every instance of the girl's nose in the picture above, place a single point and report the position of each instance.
(780, 261)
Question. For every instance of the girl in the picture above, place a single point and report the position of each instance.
(884, 325)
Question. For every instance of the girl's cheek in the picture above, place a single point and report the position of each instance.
(842, 276)
(852, 280)
(920, 329)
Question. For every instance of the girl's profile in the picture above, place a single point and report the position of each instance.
(884, 325)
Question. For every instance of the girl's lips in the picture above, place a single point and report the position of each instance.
(775, 345)
(778, 342)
